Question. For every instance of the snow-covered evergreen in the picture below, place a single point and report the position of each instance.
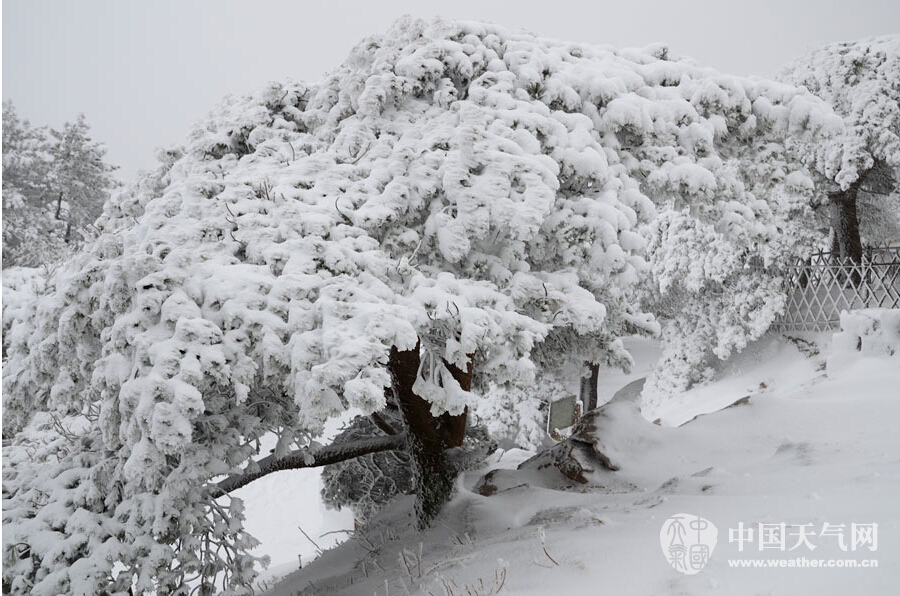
(859, 80)
(453, 186)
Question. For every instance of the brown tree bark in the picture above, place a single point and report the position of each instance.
(428, 437)
(845, 222)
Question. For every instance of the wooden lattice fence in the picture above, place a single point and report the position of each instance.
(820, 287)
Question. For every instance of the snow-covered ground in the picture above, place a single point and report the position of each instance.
(812, 445)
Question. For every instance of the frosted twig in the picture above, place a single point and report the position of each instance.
(313, 541)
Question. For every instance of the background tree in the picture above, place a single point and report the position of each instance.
(26, 163)
(861, 81)
(54, 187)
(79, 176)
(455, 208)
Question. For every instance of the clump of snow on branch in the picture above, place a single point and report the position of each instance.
(516, 415)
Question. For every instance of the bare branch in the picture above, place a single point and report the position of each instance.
(869, 191)
(383, 424)
(298, 459)
(310, 539)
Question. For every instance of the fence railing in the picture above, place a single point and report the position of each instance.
(820, 287)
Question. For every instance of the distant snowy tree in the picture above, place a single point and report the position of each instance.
(79, 177)
(54, 186)
(860, 80)
(26, 163)
(455, 208)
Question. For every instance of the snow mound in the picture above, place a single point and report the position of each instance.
(868, 333)
(768, 365)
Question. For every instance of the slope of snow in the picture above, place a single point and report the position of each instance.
(811, 447)
(772, 364)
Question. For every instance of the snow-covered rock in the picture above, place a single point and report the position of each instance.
(867, 333)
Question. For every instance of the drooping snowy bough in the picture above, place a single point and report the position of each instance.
(455, 207)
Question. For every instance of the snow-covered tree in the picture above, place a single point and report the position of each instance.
(456, 207)
(54, 185)
(516, 414)
(860, 81)
(26, 162)
(731, 165)
(79, 177)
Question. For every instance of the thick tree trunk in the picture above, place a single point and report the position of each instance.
(429, 437)
(589, 388)
(845, 222)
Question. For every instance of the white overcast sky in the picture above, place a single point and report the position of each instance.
(144, 72)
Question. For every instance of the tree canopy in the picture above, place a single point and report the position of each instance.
(861, 81)
(455, 196)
